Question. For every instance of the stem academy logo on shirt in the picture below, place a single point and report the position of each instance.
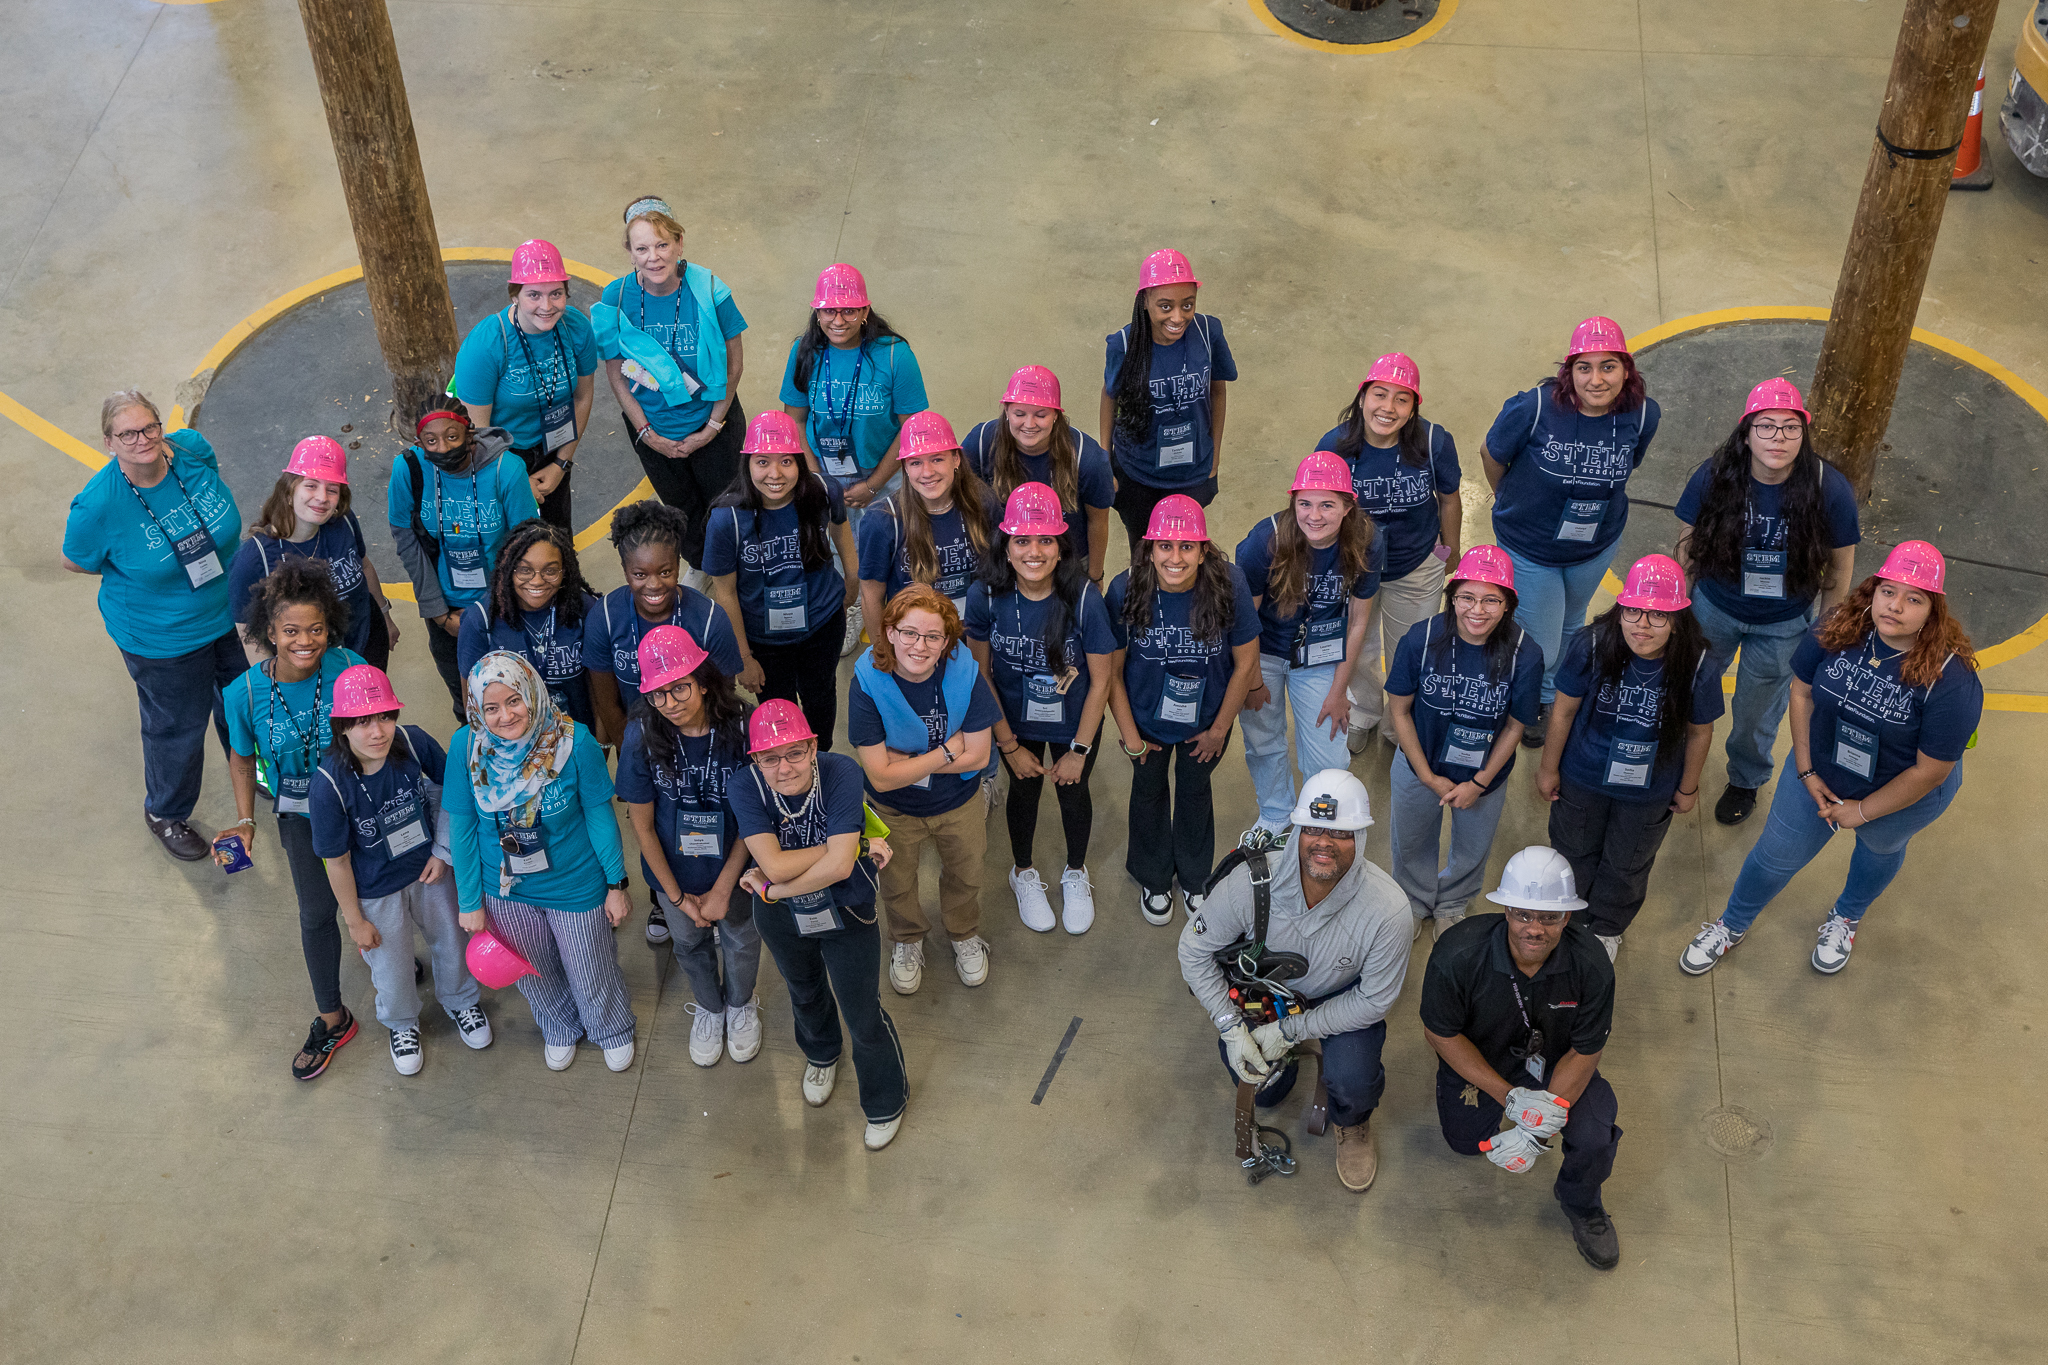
(1866, 691)
(1592, 461)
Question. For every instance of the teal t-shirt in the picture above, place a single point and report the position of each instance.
(285, 724)
(477, 510)
(672, 320)
(856, 400)
(147, 600)
(582, 834)
(497, 366)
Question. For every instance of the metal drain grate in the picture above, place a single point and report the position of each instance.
(1736, 1133)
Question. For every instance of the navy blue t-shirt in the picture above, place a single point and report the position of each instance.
(1613, 746)
(1175, 681)
(1013, 628)
(338, 541)
(1325, 611)
(1181, 451)
(697, 829)
(936, 793)
(1759, 594)
(1868, 726)
(1400, 497)
(556, 654)
(885, 553)
(780, 602)
(367, 817)
(1097, 486)
(1459, 706)
(1564, 498)
(836, 809)
(612, 634)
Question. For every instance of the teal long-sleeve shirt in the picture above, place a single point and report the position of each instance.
(584, 855)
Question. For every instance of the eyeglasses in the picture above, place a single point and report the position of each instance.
(1342, 836)
(841, 314)
(672, 695)
(1465, 601)
(1770, 432)
(1635, 616)
(1540, 918)
(137, 435)
(794, 758)
(907, 637)
(523, 573)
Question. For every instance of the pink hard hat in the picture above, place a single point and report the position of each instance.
(926, 433)
(1916, 564)
(666, 654)
(1165, 267)
(1036, 385)
(1323, 472)
(1177, 517)
(1485, 564)
(1597, 334)
(537, 262)
(319, 457)
(1776, 394)
(493, 961)
(772, 433)
(1655, 583)
(1033, 510)
(1395, 368)
(776, 723)
(840, 286)
(363, 690)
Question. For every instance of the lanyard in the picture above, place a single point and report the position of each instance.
(183, 493)
(306, 735)
(476, 500)
(403, 785)
(561, 356)
(1534, 1047)
(844, 419)
(537, 645)
(677, 325)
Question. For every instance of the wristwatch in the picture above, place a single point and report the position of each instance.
(1077, 747)
(621, 884)
(565, 463)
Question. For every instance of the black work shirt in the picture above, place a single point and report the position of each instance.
(1470, 988)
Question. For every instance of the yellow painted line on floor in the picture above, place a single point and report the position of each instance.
(602, 527)
(1444, 12)
(52, 433)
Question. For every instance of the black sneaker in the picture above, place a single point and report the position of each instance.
(1735, 805)
(657, 924)
(321, 1045)
(1532, 738)
(1596, 1239)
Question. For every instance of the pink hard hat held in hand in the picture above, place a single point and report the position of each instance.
(1033, 510)
(1916, 564)
(1165, 267)
(1397, 369)
(667, 654)
(1776, 395)
(1655, 583)
(363, 690)
(1486, 564)
(494, 962)
(925, 433)
(1598, 334)
(776, 723)
(1323, 472)
(840, 286)
(1177, 517)
(772, 433)
(319, 457)
(537, 262)
(1034, 386)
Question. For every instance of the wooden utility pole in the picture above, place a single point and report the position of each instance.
(356, 59)
(1926, 102)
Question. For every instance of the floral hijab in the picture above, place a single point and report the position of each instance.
(510, 774)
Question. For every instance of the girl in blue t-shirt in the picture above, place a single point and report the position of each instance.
(1885, 700)
(1629, 733)
(1163, 380)
(769, 551)
(936, 530)
(1187, 656)
(1558, 459)
(538, 605)
(1769, 541)
(1033, 442)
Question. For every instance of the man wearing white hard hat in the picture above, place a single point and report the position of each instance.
(1517, 1008)
(1343, 918)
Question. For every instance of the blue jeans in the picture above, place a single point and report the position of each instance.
(1300, 690)
(1418, 822)
(738, 947)
(175, 696)
(1763, 684)
(1551, 605)
(1351, 1069)
(836, 974)
(1795, 833)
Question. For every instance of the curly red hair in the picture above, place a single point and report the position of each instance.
(916, 597)
(1850, 623)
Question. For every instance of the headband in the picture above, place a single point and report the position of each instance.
(639, 206)
(437, 413)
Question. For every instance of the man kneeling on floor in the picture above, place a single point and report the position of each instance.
(1350, 922)
(1529, 995)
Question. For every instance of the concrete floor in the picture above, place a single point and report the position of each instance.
(167, 1194)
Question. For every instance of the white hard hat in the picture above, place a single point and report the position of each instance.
(1537, 878)
(1333, 799)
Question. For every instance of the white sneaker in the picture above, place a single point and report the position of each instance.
(1611, 942)
(970, 956)
(1032, 906)
(1443, 920)
(707, 1034)
(853, 629)
(557, 1058)
(1837, 937)
(1191, 901)
(621, 1057)
(1155, 906)
(1420, 920)
(474, 1028)
(743, 1030)
(906, 967)
(989, 795)
(818, 1082)
(405, 1051)
(1077, 900)
(1708, 946)
(880, 1135)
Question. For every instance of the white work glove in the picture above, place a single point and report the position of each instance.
(1243, 1053)
(1272, 1043)
(1514, 1151)
(1537, 1112)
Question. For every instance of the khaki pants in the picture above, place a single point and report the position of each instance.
(1401, 603)
(960, 837)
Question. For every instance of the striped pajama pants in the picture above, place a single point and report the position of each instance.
(580, 992)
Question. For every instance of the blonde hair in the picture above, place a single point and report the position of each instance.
(119, 401)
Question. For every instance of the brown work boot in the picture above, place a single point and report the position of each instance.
(1358, 1155)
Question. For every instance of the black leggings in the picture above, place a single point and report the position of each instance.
(554, 508)
(807, 673)
(1077, 806)
(319, 933)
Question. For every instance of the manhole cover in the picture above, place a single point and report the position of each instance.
(1735, 1132)
(1337, 21)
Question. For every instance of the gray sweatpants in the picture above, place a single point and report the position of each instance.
(1418, 837)
(432, 910)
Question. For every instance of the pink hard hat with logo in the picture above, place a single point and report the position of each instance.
(926, 433)
(1177, 517)
(1916, 564)
(493, 961)
(1034, 385)
(1033, 510)
(776, 723)
(1165, 267)
(319, 457)
(1323, 472)
(1598, 334)
(1398, 369)
(840, 286)
(772, 433)
(1486, 564)
(1776, 394)
(537, 262)
(667, 653)
(1655, 583)
(363, 690)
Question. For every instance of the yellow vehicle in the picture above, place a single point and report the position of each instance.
(2024, 112)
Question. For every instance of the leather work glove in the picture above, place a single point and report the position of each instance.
(1272, 1043)
(1514, 1151)
(1245, 1062)
(1537, 1112)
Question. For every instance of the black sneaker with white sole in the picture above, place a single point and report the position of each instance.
(1156, 906)
(1533, 737)
(657, 924)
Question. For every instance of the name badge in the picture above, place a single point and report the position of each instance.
(1182, 452)
(1317, 643)
(557, 426)
(1855, 749)
(1180, 701)
(1043, 704)
(403, 829)
(1629, 762)
(697, 833)
(1465, 746)
(836, 453)
(466, 566)
(526, 850)
(1581, 519)
(785, 609)
(814, 913)
(198, 556)
(1763, 574)
(294, 793)
(1534, 1066)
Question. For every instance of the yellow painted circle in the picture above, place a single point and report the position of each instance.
(1444, 10)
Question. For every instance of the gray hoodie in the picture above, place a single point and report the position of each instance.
(1362, 929)
(485, 446)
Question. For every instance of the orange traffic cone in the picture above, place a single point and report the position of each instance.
(1973, 167)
